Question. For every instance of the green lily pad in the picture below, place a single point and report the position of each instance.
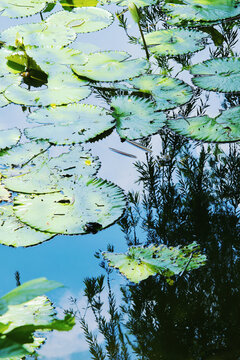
(27, 7)
(175, 41)
(62, 88)
(111, 66)
(197, 10)
(38, 34)
(69, 5)
(3, 101)
(140, 263)
(74, 123)
(14, 233)
(223, 128)
(9, 138)
(221, 75)
(22, 154)
(138, 3)
(44, 175)
(5, 195)
(72, 211)
(49, 57)
(28, 291)
(21, 318)
(82, 20)
(167, 92)
(136, 117)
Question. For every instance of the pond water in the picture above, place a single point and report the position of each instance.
(170, 170)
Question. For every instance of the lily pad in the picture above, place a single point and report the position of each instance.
(175, 41)
(38, 34)
(167, 92)
(13, 9)
(136, 117)
(52, 56)
(138, 3)
(198, 10)
(3, 101)
(140, 263)
(70, 212)
(44, 175)
(82, 20)
(28, 291)
(69, 5)
(221, 75)
(5, 195)
(9, 137)
(21, 319)
(74, 123)
(22, 154)
(14, 233)
(62, 88)
(223, 128)
(111, 66)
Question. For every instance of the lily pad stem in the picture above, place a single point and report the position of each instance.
(144, 42)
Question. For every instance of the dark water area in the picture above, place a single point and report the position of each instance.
(170, 164)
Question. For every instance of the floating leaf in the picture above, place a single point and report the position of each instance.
(168, 92)
(71, 4)
(14, 233)
(82, 20)
(22, 154)
(44, 175)
(69, 212)
(111, 66)
(70, 124)
(3, 101)
(62, 88)
(39, 34)
(223, 128)
(138, 3)
(174, 41)
(140, 263)
(5, 195)
(28, 291)
(9, 138)
(210, 10)
(136, 117)
(25, 313)
(26, 7)
(51, 56)
(221, 75)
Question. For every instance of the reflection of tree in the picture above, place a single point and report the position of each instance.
(185, 197)
(188, 194)
(189, 198)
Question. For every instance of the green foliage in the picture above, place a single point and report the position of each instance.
(14, 233)
(90, 201)
(26, 8)
(221, 75)
(71, 124)
(174, 41)
(136, 117)
(111, 66)
(167, 92)
(224, 128)
(82, 20)
(139, 263)
(63, 88)
(39, 34)
(23, 311)
(9, 138)
(202, 10)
